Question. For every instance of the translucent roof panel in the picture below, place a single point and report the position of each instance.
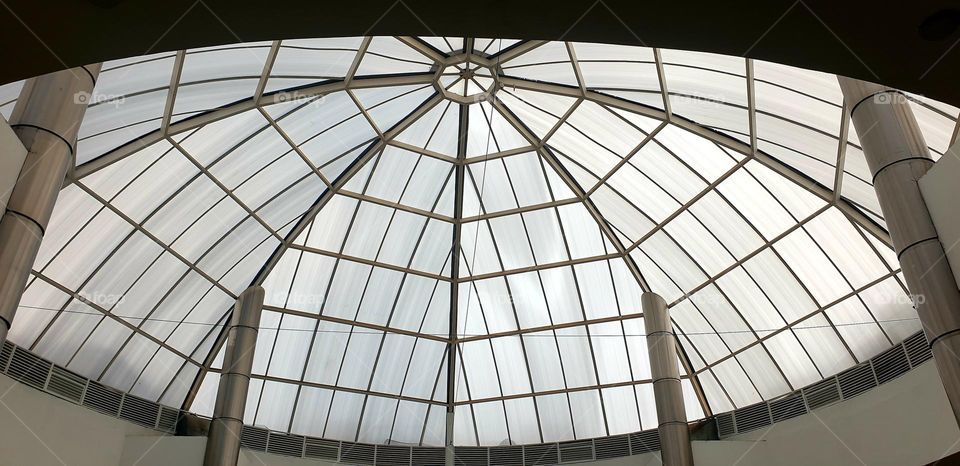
(407, 200)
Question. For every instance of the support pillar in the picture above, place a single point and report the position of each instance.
(46, 118)
(223, 439)
(668, 393)
(898, 157)
(449, 453)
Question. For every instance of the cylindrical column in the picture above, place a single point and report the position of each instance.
(449, 455)
(668, 393)
(223, 440)
(898, 157)
(46, 118)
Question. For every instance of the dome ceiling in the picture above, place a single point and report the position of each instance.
(341, 173)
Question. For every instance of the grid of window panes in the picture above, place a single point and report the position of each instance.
(325, 170)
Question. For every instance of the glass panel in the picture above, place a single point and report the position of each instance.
(522, 420)
(169, 253)
(544, 360)
(588, 414)
(408, 425)
(555, 418)
(344, 416)
(311, 414)
(491, 423)
(378, 418)
(620, 403)
(276, 405)
(613, 363)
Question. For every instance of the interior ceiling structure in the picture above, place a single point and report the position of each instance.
(340, 174)
(909, 45)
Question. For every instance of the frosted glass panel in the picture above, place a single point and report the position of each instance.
(378, 203)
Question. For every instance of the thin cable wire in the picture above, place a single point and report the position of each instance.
(476, 231)
(464, 334)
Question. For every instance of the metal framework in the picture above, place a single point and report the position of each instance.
(285, 246)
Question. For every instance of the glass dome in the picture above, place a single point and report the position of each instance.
(399, 196)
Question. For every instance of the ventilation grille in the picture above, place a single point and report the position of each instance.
(506, 456)
(393, 455)
(254, 438)
(822, 393)
(28, 368)
(541, 454)
(752, 417)
(470, 456)
(883, 368)
(66, 384)
(322, 449)
(787, 407)
(611, 447)
(168, 419)
(285, 444)
(644, 442)
(574, 452)
(427, 456)
(103, 399)
(918, 350)
(891, 364)
(856, 380)
(139, 411)
(357, 453)
(725, 425)
(5, 353)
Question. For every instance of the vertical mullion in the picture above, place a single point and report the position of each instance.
(459, 169)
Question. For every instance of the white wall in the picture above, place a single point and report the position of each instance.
(903, 422)
(907, 421)
(38, 429)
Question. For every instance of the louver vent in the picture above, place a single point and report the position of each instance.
(470, 456)
(28, 368)
(856, 380)
(323, 449)
(5, 352)
(356, 453)
(725, 425)
(31, 369)
(540, 454)
(506, 456)
(752, 417)
(611, 447)
(573, 452)
(285, 444)
(787, 407)
(822, 394)
(254, 438)
(891, 364)
(644, 442)
(139, 411)
(393, 455)
(103, 399)
(918, 350)
(66, 384)
(428, 456)
(168, 419)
